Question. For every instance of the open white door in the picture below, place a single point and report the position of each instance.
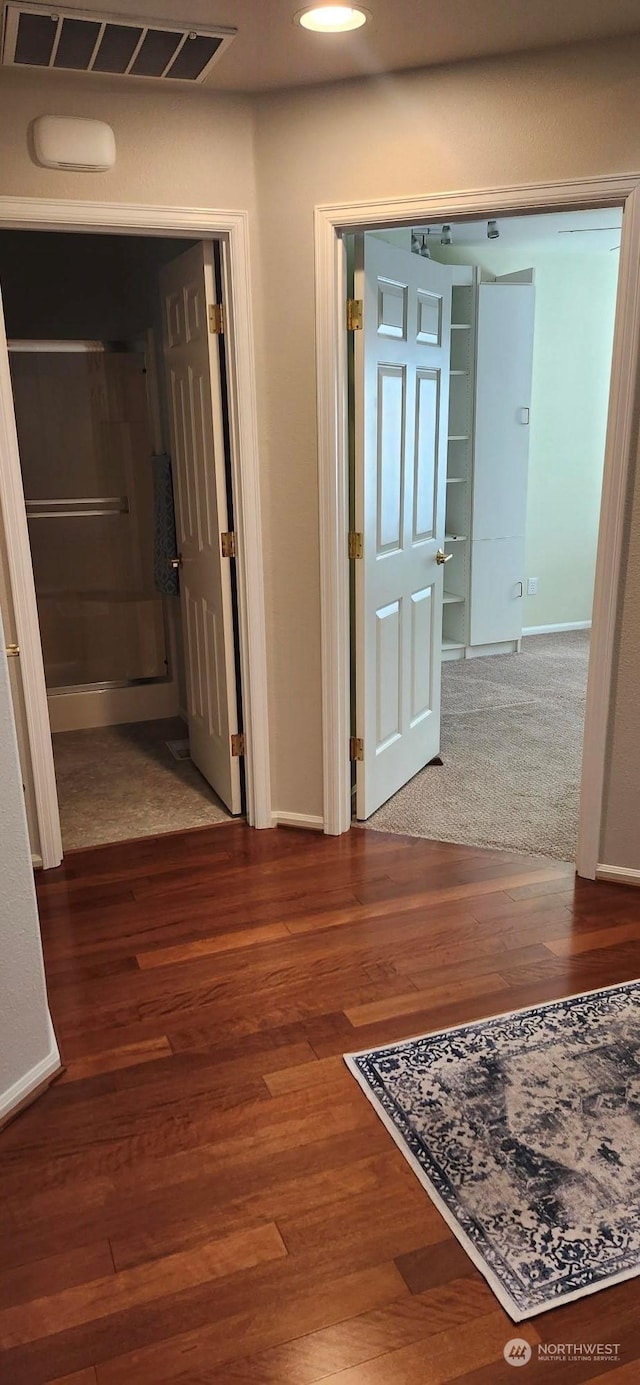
(197, 448)
(401, 415)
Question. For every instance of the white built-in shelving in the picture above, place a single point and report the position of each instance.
(455, 622)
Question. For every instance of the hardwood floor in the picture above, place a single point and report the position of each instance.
(207, 1195)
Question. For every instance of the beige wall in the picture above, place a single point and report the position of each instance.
(189, 149)
(176, 148)
(561, 114)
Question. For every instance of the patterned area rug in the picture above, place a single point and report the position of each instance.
(525, 1131)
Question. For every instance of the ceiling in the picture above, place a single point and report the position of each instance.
(562, 232)
(273, 52)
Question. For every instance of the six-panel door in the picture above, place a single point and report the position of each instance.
(401, 411)
(197, 445)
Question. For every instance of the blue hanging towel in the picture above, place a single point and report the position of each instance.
(164, 527)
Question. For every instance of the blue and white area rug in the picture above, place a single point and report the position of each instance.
(525, 1131)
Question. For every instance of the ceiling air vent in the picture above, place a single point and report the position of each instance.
(80, 41)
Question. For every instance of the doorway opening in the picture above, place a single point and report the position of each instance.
(119, 381)
(479, 393)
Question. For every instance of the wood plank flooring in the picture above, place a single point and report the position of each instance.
(207, 1195)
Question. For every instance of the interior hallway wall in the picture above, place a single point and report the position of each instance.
(560, 114)
(564, 113)
(572, 343)
(28, 1050)
(174, 148)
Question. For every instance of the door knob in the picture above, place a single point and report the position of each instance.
(443, 557)
(176, 562)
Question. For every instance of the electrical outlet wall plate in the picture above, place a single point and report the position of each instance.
(532, 586)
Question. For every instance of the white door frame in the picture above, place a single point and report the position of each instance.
(332, 222)
(232, 229)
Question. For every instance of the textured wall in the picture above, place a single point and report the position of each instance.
(539, 117)
(174, 148)
(561, 114)
(621, 839)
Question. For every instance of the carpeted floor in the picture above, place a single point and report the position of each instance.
(512, 745)
(119, 782)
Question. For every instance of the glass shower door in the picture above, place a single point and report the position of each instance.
(85, 450)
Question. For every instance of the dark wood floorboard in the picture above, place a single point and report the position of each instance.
(207, 1195)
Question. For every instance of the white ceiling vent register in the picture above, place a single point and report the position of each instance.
(80, 41)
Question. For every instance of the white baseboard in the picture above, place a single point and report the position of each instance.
(21, 1090)
(618, 875)
(486, 651)
(310, 821)
(557, 629)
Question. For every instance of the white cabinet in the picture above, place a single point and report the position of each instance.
(496, 591)
(487, 462)
(504, 358)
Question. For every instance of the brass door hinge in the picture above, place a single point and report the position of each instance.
(216, 319)
(356, 748)
(228, 545)
(237, 744)
(354, 314)
(355, 544)
(12, 651)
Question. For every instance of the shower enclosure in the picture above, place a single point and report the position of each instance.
(85, 449)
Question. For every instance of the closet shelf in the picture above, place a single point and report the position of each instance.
(455, 538)
(458, 437)
(450, 599)
(456, 480)
(459, 372)
(460, 326)
(452, 644)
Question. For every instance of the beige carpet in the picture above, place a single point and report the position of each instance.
(511, 744)
(119, 782)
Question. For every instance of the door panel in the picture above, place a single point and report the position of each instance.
(503, 400)
(426, 454)
(197, 439)
(391, 420)
(401, 407)
(497, 575)
(422, 637)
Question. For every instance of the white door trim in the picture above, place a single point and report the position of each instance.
(331, 223)
(14, 518)
(232, 228)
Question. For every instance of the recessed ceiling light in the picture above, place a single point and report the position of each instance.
(332, 19)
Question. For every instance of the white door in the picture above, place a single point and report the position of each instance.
(191, 353)
(401, 413)
(503, 403)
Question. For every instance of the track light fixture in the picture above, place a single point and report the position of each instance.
(446, 238)
(492, 230)
(420, 244)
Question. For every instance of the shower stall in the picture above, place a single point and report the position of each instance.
(85, 447)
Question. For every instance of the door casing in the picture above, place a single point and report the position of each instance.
(231, 229)
(332, 223)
